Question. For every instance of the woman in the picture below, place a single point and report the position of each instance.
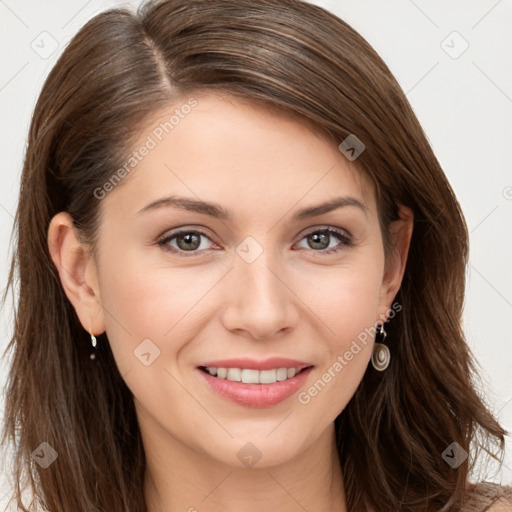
(241, 276)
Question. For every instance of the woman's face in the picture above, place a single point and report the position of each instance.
(183, 287)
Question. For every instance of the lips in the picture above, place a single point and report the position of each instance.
(281, 384)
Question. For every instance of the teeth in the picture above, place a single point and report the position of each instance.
(282, 374)
(268, 376)
(234, 374)
(249, 376)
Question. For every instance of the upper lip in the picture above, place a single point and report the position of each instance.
(254, 364)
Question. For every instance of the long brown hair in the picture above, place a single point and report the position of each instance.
(120, 68)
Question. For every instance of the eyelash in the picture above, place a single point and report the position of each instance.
(345, 241)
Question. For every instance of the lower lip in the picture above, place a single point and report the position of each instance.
(256, 395)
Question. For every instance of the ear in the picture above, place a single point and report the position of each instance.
(77, 271)
(401, 233)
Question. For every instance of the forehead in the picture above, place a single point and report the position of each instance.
(249, 154)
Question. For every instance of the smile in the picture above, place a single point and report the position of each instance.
(254, 383)
(250, 376)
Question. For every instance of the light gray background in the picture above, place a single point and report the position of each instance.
(462, 98)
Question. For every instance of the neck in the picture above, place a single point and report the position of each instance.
(179, 479)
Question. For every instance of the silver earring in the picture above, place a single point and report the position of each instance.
(381, 356)
(93, 342)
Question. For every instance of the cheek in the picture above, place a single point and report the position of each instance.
(347, 301)
(144, 302)
(345, 297)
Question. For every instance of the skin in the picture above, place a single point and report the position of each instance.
(293, 301)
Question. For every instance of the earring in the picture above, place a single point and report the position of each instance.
(93, 342)
(381, 356)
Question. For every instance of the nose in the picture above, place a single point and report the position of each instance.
(259, 301)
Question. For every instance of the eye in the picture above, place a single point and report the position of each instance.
(186, 241)
(191, 241)
(321, 239)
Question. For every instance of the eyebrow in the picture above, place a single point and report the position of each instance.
(218, 212)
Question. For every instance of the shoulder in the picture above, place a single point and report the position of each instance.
(488, 497)
(501, 506)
